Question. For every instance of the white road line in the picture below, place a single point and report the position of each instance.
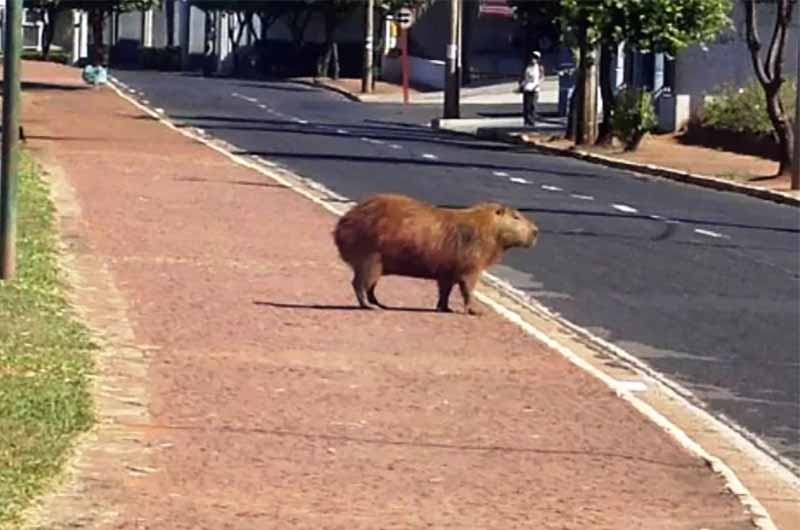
(499, 173)
(582, 197)
(301, 121)
(430, 156)
(395, 146)
(342, 131)
(262, 106)
(146, 102)
(624, 208)
(236, 95)
(160, 110)
(657, 217)
(709, 233)
(519, 180)
(551, 188)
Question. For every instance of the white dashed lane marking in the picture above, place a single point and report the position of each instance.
(342, 131)
(709, 233)
(582, 197)
(430, 156)
(624, 208)
(395, 146)
(519, 180)
(551, 188)
(499, 173)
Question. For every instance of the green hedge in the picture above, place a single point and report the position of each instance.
(744, 109)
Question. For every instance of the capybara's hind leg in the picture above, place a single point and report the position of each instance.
(372, 298)
(361, 294)
(445, 286)
(365, 279)
(467, 286)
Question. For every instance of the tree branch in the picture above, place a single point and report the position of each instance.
(753, 41)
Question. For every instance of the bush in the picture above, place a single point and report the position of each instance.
(634, 116)
(744, 109)
(56, 56)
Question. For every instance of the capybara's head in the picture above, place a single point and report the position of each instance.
(513, 228)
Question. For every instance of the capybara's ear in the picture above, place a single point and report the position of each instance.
(500, 210)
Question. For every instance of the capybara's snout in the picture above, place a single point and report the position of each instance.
(533, 236)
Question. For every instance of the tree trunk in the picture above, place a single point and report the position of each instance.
(572, 109)
(783, 129)
(328, 65)
(49, 30)
(99, 56)
(470, 14)
(606, 134)
(769, 72)
(169, 12)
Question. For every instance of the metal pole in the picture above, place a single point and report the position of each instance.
(451, 109)
(12, 48)
(369, 33)
(796, 157)
(404, 61)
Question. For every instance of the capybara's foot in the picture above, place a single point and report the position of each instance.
(374, 301)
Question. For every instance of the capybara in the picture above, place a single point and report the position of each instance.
(393, 234)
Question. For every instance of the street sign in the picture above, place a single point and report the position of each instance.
(405, 17)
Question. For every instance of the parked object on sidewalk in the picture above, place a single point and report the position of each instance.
(95, 75)
(391, 234)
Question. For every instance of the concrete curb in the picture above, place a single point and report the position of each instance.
(330, 86)
(648, 169)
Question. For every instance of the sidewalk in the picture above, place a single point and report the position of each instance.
(269, 403)
(497, 94)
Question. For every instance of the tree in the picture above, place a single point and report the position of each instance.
(334, 12)
(643, 25)
(98, 10)
(769, 72)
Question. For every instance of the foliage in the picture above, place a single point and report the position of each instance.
(647, 25)
(45, 359)
(743, 109)
(634, 116)
(105, 5)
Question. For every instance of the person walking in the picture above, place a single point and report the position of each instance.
(529, 85)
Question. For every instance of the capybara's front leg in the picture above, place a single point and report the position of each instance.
(467, 285)
(445, 286)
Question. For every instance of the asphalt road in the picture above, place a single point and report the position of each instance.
(701, 284)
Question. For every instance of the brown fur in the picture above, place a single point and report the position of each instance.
(392, 234)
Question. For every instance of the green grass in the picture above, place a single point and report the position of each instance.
(45, 358)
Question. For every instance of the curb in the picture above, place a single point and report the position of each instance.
(648, 169)
(330, 86)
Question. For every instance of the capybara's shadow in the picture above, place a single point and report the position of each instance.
(331, 307)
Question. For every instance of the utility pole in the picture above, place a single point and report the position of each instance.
(369, 33)
(451, 88)
(12, 48)
(796, 157)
